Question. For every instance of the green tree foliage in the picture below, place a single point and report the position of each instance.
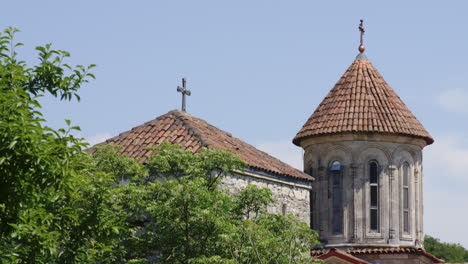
(61, 205)
(48, 210)
(179, 215)
(39, 154)
(449, 252)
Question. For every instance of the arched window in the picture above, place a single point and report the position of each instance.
(337, 197)
(405, 186)
(374, 195)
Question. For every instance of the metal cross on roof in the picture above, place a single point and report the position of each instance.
(184, 92)
(361, 29)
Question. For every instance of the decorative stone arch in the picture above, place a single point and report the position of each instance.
(373, 152)
(403, 150)
(336, 190)
(403, 156)
(411, 156)
(312, 156)
(380, 154)
(337, 152)
(311, 160)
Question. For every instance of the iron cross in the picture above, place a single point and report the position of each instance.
(361, 29)
(184, 92)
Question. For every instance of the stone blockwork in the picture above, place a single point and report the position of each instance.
(355, 152)
(290, 197)
(398, 259)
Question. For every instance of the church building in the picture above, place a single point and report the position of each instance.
(362, 184)
(364, 148)
(290, 187)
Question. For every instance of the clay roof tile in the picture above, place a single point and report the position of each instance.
(193, 133)
(365, 251)
(363, 102)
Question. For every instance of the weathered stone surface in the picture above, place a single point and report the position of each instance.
(355, 155)
(397, 259)
(294, 198)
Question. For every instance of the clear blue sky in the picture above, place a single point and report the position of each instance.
(258, 69)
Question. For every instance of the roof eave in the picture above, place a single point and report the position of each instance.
(298, 139)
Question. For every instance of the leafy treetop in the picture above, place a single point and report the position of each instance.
(450, 252)
(61, 205)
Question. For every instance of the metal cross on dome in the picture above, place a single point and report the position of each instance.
(362, 30)
(184, 92)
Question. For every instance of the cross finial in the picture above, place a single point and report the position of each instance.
(361, 29)
(184, 92)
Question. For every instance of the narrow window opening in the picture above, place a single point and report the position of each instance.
(374, 196)
(406, 198)
(337, 197)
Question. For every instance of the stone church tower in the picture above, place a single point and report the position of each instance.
(364, 147)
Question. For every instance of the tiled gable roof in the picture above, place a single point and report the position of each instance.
(362, 102)
(341, 254)
(177, 127)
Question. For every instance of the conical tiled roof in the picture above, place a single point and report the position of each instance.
(177, 127)
(362, 102)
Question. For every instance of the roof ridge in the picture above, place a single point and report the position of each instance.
(187, 119)
(192, 133)
(184, 118)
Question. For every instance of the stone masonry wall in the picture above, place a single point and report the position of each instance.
(354, 155)
(397, 259)
(289, 198)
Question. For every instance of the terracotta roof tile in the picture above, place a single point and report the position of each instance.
(193, 133)
(342, 254)
(362, 101)
(359, 251)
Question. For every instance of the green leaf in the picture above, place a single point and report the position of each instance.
(12, 144)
